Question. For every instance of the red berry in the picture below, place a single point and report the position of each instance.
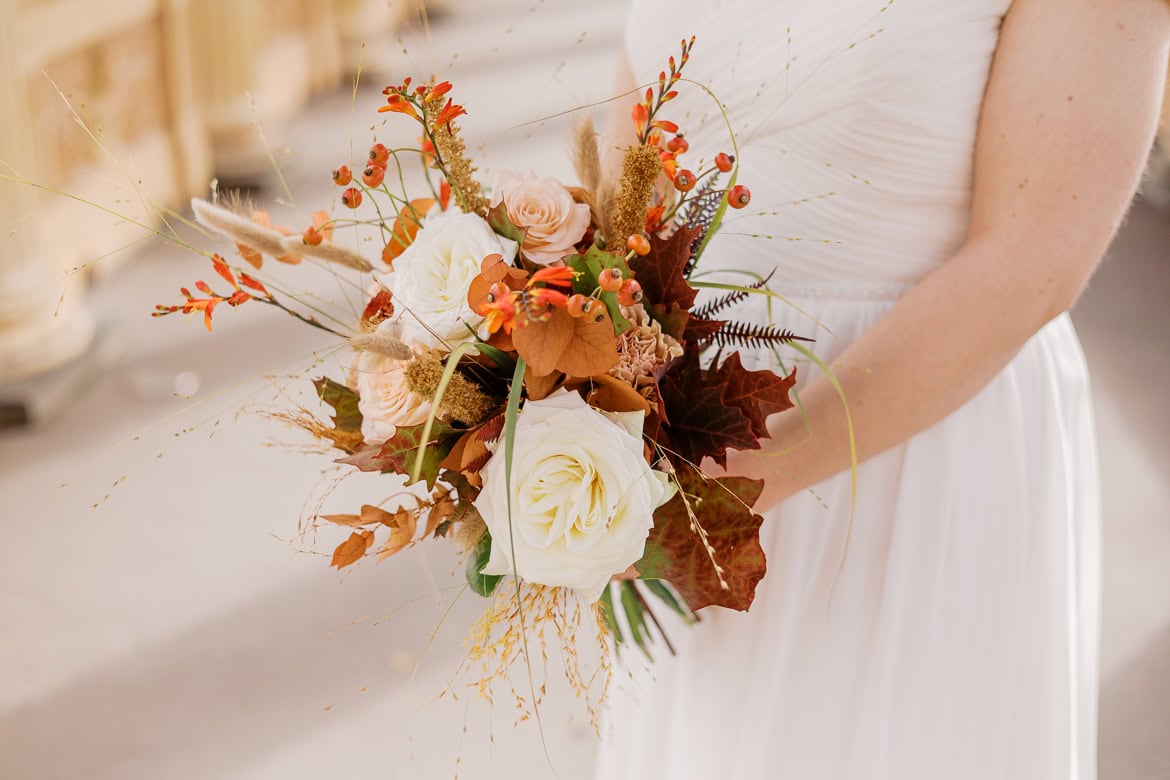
(312, 236)
(351, 198)
(610, 279)
(677, 145)
(724, 162)
(684, 180)
(342, 176)
(638, 244)
(739, 196)
(630, 293)
(373, 175)
(578, 305)
(379, 154)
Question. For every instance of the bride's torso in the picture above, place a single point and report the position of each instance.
(855, 119)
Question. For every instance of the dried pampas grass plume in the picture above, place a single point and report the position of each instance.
(586, 156)
(381, 342)
(326, 250)
(238, 228)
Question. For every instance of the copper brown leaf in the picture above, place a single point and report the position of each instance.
(542, 344)
(352, 549)
(402, 525)
(700, 424)
(592, 348)
(675, 552)
(443, 506)
(758, 394)
(662, 272)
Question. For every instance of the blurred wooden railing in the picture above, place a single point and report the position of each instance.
(133, 105)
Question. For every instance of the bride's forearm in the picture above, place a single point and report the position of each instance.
(1067, 121)
(935, 349)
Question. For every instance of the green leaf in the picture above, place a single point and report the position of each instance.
(663, 592)
(397, 452)
(503, 225)
(589, 267)
(635, 617)
(344, 402)
(610, 617)
(483, 584)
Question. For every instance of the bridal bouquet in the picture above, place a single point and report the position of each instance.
(534, 357)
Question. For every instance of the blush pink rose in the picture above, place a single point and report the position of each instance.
(555, 222)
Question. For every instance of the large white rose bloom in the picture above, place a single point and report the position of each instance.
(583, 496)
(429, 280)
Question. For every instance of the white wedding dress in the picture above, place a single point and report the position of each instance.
(955, 637)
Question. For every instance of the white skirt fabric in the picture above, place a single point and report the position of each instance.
(952, 633)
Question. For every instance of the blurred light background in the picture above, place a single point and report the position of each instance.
(155, 617)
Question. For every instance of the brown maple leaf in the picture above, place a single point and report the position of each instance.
(699, 423)
(661, 273)
(676, 552)
(758, 394)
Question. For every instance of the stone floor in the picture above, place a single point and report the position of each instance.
(162, 619)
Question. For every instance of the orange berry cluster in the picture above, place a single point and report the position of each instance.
(372, 176)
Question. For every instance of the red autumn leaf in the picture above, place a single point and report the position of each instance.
(700, 424)
(661, 271)
(698, 329)
(758, 394)
(676, 553)
(352, 549)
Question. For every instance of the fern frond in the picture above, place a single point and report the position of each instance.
(711, 308)
(749, 334)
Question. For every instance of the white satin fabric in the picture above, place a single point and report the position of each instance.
(955, 636)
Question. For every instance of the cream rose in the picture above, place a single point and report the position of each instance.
(583, 496)
(431, 278)
(554, 221)
(383, 397)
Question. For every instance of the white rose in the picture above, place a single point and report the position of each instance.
(555, 222)
(383, 397)
(431, 278)
(583, 496)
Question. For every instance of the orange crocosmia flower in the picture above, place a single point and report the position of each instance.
(665, 125)
(400, 105)
(442, 88)
(251, 283)
(560, 276)
(654, 216)
(547, 296)
(449, 113)
(222, 269)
